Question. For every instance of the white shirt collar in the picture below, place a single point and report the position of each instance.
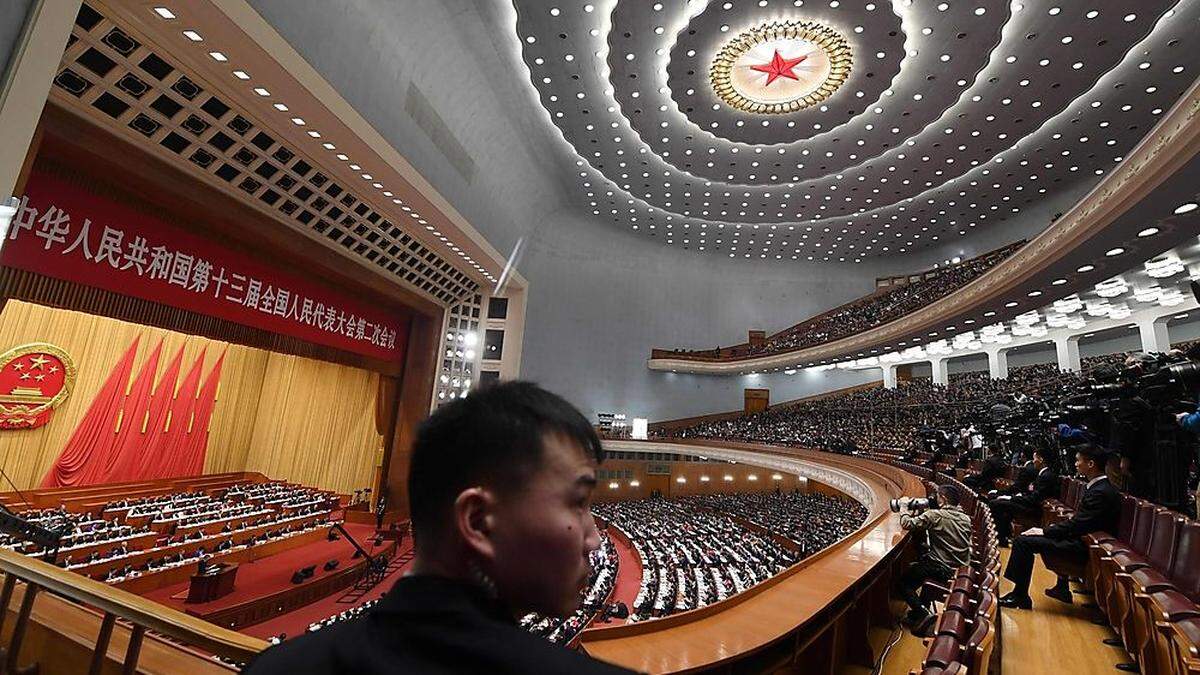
(1097, 479)
(1044, 470)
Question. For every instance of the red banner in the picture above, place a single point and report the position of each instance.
(61, 230)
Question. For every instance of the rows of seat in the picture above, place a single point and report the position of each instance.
(1146, 580)
(966, 630)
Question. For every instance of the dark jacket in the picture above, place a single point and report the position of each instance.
(1044, 486)
(1098, 511)
(1025, 477)
(426, 624)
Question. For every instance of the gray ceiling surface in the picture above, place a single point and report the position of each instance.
(957, 117)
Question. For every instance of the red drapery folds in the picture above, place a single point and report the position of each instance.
(127, 446)
(85, 458)
(170, 458)
(197, 444)
(141, 431)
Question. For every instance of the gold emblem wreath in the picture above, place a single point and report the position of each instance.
(841, 59)
(26, 411)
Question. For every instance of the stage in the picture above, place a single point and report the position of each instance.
(269, 579)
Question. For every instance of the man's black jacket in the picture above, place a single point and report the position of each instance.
(1098, 511)
(426, 624)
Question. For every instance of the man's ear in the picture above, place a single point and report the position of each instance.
(474, 519)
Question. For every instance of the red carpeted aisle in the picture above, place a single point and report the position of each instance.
(629, 577)
(274, 573)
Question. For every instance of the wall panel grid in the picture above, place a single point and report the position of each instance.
(112, 77)
(459, 351)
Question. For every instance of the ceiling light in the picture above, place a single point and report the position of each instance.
(164, 12)
(1086, 268)
(193, 36)
(261, 92)
(1114, 251)
(241, 75)
(1186, 208)
(1148, 232)
(218, 57)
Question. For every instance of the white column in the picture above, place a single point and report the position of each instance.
(889, 376)
(940, 375)
(1154, 335)
(1067, 347)
(998, 364)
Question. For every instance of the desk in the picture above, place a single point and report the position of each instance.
(216, 582)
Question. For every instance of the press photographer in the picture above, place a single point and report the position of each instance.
(1139, 404)
(947, 547)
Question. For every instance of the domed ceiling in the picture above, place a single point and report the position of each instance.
(837, 130)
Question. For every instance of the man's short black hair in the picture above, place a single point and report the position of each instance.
(493, 437)
(1048, 455)
(1097, 453)
(948, 495)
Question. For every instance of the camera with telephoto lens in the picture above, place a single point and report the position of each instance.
(912, 504)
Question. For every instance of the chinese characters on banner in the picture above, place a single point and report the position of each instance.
(63, 231)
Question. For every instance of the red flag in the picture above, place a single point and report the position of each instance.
(84, 459)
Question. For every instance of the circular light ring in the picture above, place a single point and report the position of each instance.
(835, 47)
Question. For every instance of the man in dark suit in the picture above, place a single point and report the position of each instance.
(500, 487)
(1036, 482)
(1098, 511)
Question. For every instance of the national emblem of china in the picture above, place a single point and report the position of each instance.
(781, 67)
(34, 379)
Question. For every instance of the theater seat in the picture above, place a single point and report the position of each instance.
(1141, 527)
(1183, 575)
(1177, 648)
(1122, 588)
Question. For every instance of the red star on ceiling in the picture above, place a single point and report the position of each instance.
(779, 67)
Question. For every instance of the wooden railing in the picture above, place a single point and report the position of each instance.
(65, 622)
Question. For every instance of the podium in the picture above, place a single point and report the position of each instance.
(215, 582)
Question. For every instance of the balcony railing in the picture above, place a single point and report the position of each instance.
(65, 622)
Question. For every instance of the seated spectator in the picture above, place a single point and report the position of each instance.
(1098, 510)
(1025, 497)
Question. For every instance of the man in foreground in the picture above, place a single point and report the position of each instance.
(1098, 511)
(500, 492)
(948, 530)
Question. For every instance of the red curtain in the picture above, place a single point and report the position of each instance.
(156, 419)
(172, 445)
(146, 432)
(85, 458)
(126, 464)
(197, 442)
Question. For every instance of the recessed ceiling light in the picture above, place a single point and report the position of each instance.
(1114, 251)
(298, 121)
(164, 12)
(193, 36)
(1148, 232)
(1058, 282)
(218, 57)
(261, 92)
(1086, 268)
(281, 107)
(1186, 208)
(241, 74)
